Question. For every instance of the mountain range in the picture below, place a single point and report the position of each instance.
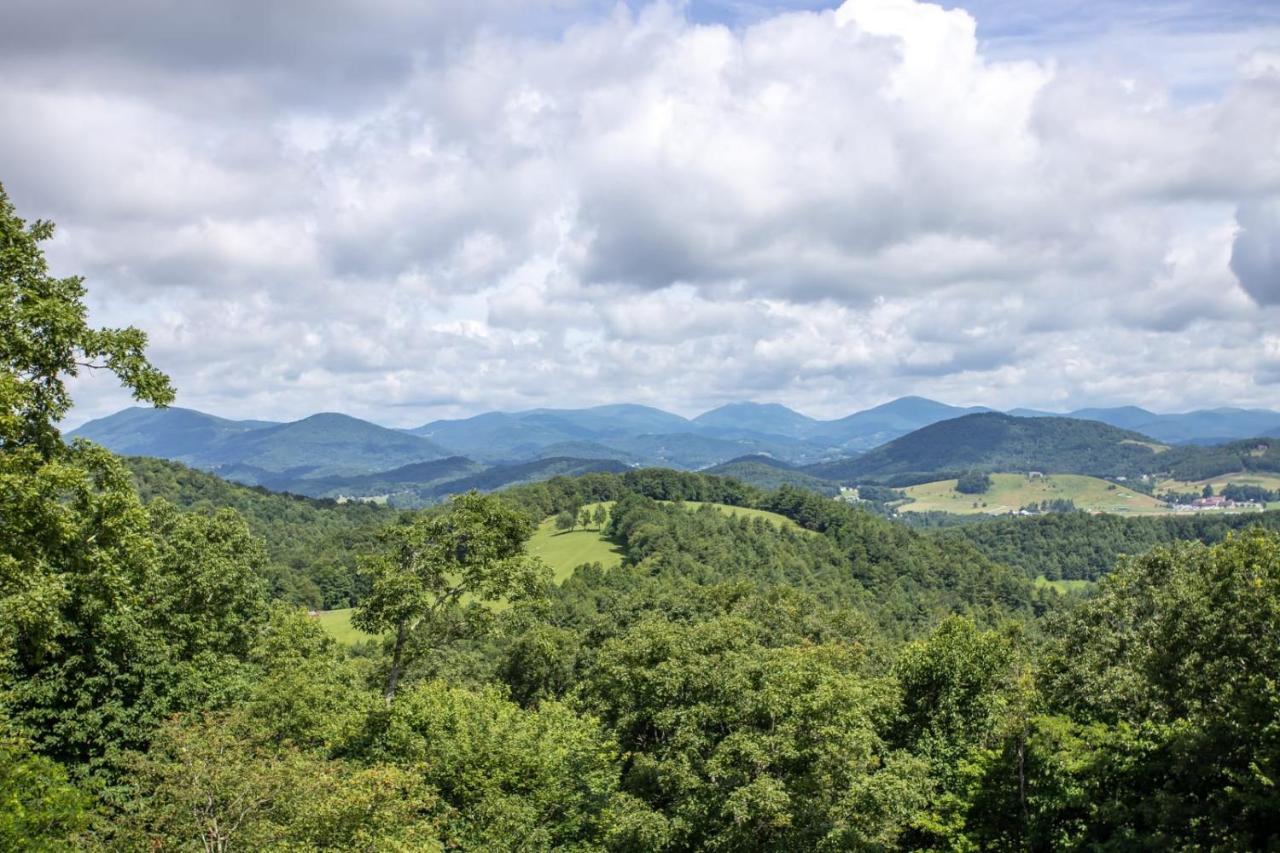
(332, 455)
(1204, 426)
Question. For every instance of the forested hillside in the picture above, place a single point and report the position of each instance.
(767, 473)
(996, 442)
(1081, 546)
(1198, 463)
(311, 545)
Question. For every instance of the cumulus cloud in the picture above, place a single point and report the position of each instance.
(1255, 255)
(408, 210)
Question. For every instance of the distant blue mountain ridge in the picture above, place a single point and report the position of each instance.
(331, 453)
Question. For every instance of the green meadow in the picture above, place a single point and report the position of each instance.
(1242, 478)
(1065, 586)
(1011, 492)
(563, 551)
(338, 625)
(746, 512)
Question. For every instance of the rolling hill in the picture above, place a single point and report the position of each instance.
(767, 473)
(1203, 426)
(762, 418)
(397, 481)
(182, 435)
(1198, 463)
(997, 442)
(425, 483)
(1011, 492)
(311, 545)
(873, 427)
(336, 448)
(327, 443)
(254, 452)
(502, 436)
(501, 476)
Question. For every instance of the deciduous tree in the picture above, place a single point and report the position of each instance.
(472, 553)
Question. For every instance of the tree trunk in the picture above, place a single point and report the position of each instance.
(1022, 787)
(394, 675)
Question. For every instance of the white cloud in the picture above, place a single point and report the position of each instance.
(1255, 255)
(826, 208)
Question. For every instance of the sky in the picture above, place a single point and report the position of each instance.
(406, 211)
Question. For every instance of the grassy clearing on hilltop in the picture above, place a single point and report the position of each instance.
(746, 512)
(1011, 492)
(1064, 585)
(563, 551)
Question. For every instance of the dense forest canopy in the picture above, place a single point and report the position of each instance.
(1080, 546)
(311, 545)
(840, 683)
(995, 442)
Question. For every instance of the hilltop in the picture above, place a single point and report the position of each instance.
(765, 472)
(183, 435)
(996, 442)
(250, 451)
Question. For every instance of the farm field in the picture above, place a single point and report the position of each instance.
(1010, 492)
(1243, 478)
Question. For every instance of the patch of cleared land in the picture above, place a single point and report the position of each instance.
(338, 625)
(1242, 478)
(565, 551)
(562, 551)
(1065, 586)
(1011, 492)
(1155, 446)
(772, 517)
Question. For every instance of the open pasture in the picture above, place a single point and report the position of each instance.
(1240, 478)
(1011, 492)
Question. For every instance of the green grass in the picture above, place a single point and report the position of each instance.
(772, 517)
(1155, 447)
(565, 551)
(562, 551)
(337, 623)
(1010, 492)
(1065, 586)
(1242, 478)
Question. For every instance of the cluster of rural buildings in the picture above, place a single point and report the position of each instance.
(1215, 502)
